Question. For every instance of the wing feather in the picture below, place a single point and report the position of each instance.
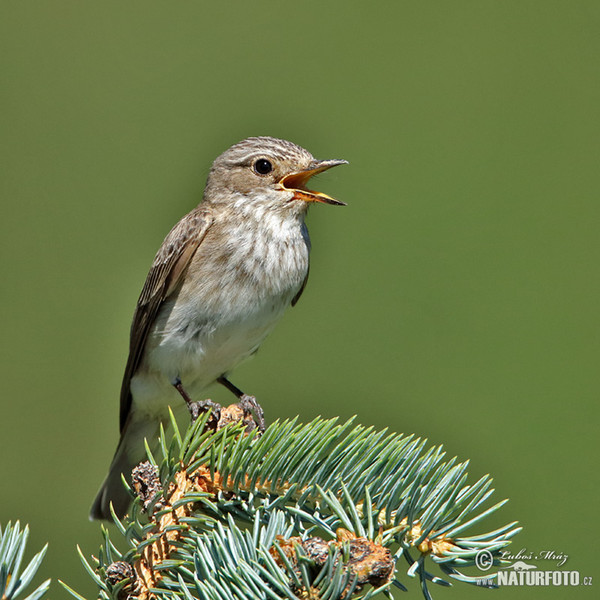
(297, 296)
(168, 266)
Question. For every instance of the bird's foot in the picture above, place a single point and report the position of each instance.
(253, 414)
(253, 410)
(201, 406)
(247, 411)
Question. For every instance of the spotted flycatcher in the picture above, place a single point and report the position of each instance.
(220, 281)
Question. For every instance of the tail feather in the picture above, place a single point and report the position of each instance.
(130, 452)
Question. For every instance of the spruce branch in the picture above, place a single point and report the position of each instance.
(13, 582)
(323, 510)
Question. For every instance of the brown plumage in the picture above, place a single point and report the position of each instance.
(218, 284)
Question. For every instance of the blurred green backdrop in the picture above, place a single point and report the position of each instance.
(455, 297)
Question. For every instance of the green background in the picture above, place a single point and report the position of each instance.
(455, 297)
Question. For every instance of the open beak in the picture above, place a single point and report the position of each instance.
(296, 182)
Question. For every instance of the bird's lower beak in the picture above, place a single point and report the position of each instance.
(296, 182)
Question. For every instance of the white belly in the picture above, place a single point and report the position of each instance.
(197, 347)
(213, 323)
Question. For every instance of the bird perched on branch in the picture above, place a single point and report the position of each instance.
(222, 278)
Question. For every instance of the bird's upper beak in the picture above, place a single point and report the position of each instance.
(296, 182)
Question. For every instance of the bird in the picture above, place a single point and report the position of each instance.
(220, 281)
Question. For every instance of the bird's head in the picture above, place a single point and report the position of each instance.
(267, 171)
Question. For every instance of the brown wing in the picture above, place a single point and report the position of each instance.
(170, 262)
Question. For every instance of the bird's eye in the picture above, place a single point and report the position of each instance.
(262, 166)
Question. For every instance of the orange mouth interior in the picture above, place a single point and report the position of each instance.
(296, 182)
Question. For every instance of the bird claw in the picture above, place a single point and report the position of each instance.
(252, 408)
(251, 413)
(201, 406)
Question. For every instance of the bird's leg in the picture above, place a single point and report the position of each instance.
(247, 403)
(199, 407)
(232, 388)
(179, 387)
